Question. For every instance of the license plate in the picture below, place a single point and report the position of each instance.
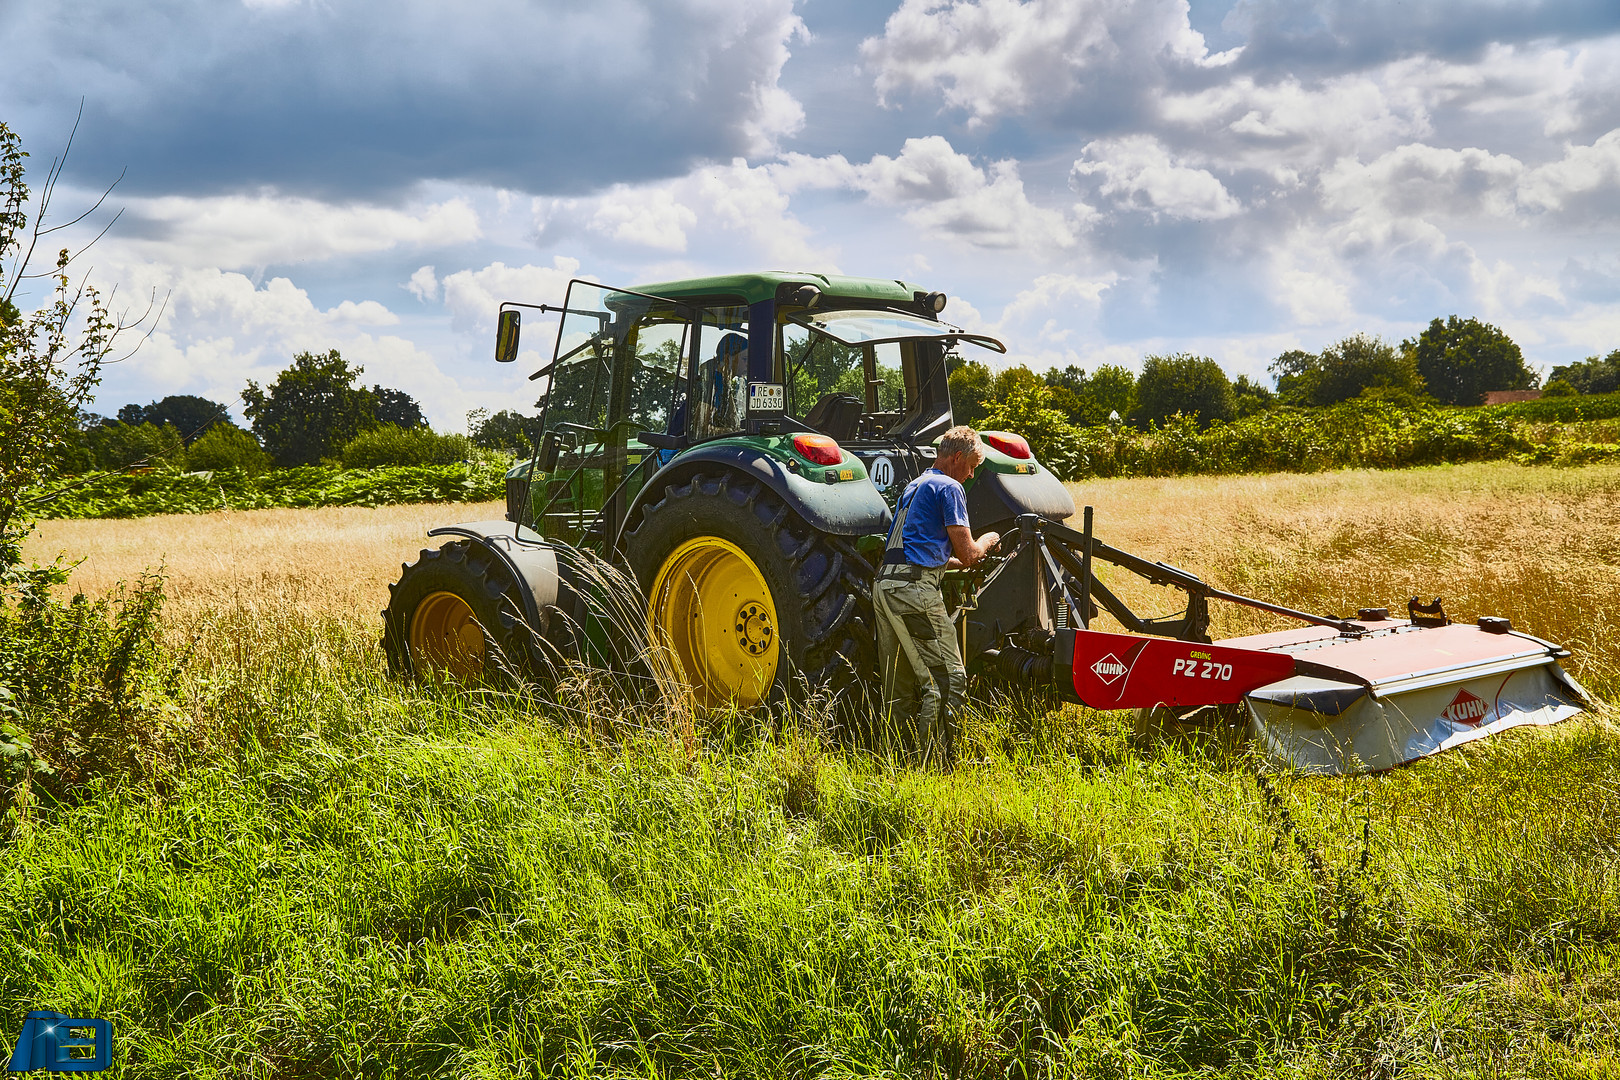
(766, 397)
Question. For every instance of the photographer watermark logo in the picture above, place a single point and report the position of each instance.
(55, 1042)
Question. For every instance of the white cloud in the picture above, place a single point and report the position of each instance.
(240, 231)
(367, 98)
(1426, 181)
(1572, 183)
(992, 58)
(474, 296)
(945, 193)
(648, 217)
(1052, 321)
(1137, 172)
(424, 284)
(737, 209)
(220, 330)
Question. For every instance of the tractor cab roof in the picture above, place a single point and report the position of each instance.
(753, 288)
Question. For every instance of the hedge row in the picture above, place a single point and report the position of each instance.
(158, 492)
(1365, 434)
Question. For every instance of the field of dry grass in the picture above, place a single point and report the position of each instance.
(331, 562)
(1540, 546)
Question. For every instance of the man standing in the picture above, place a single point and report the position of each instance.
(916, 640)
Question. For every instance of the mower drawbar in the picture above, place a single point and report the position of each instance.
(1333, 696)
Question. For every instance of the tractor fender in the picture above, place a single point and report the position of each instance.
(847, 508)
(997, 496)
(530, 558)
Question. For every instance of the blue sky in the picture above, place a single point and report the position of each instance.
(1091, 180)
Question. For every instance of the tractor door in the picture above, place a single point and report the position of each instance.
(619, 369)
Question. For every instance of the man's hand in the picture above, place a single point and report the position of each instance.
(965, 550)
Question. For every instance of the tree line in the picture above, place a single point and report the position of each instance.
(1455, 361)
(315, 410)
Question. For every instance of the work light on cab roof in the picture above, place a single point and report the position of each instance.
(736, 445)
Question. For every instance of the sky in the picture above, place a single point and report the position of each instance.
(1092, 181)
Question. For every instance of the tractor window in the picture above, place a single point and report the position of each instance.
(720, 390)
(829, 384)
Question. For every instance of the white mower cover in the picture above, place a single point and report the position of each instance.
(1402, 692)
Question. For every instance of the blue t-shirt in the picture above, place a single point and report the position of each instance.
(933, 501)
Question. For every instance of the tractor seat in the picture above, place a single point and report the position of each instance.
(837, 415)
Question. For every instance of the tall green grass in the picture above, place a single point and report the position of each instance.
(332, 873)
(362, 877)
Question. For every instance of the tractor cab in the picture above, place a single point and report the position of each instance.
(834, 380)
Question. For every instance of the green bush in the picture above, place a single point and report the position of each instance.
(86, 686)
(1027, 410)
(392, 445)
(1370, 433)
(226, 446)
(309, 485)
(1561, 409)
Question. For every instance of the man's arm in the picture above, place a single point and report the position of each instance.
(965, 551)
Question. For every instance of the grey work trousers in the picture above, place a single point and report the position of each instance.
(924, 681)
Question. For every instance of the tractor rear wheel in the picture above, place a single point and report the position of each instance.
(452, 612)
(749, 598)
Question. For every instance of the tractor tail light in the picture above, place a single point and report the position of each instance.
(818, 449)
(1013, 446)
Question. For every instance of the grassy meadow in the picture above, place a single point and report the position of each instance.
(331, 873)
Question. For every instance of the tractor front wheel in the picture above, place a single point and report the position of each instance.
(748, 597)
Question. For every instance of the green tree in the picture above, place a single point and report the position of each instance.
(504, 430)
(192, 416)
(1023, 405)
(118, 446)
(397, 407)
(1461, 359)
(312, 410)
(1592, 375)
(1251, 397)
(1345, 370)
(226, 446)
(1112, 391)
(1090, 399)
(1194, 386)
(970, 391)
(50, 361)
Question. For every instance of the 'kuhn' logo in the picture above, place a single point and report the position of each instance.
(1108, 669)
(1466, 709)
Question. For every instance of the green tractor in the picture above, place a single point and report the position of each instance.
(736, 444)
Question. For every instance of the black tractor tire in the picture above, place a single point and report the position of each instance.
(820, 585)
(471, 572)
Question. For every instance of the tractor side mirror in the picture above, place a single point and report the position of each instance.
(506, 336)
(546, 459)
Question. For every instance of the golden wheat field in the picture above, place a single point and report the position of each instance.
(1538, 545)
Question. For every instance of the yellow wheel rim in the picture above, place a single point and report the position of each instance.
(711, 607)
(445, 637)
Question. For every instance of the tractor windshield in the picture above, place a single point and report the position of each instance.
(866, 327)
